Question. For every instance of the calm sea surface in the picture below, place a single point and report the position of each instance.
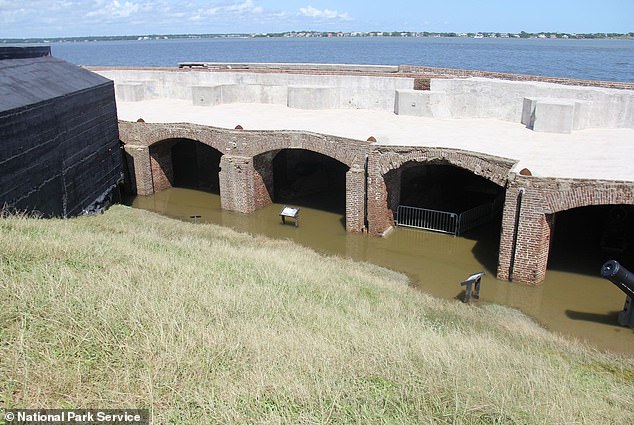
(611, 60)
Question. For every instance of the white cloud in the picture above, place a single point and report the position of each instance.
(115, 9)
(311, 12)
(53, 18)
(247, 6)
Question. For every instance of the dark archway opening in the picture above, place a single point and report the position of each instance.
(475, 202)
(309, 179)
(444, 187)
(584, 238)
(195, 165)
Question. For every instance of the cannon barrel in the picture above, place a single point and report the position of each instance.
(620, 276)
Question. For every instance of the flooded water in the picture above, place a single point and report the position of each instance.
(582, 306)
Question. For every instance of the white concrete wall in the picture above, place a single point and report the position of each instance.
(448, 99)
(341, 91)
(489, 98)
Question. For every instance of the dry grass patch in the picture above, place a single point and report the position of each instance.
(202, 324)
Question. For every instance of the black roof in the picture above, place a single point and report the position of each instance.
(23, 52)
(32, 80)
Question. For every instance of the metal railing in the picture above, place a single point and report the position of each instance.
(474, 217)
(445, 221)
(422, 218)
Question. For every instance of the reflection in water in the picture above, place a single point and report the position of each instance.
(582, 306)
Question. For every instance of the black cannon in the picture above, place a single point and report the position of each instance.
(624, 279)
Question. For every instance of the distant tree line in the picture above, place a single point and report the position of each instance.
(483, 34)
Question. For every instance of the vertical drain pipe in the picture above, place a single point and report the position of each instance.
(365, 198)
(518, 208)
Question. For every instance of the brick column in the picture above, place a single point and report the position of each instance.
(524, 254)
(140, 169)
(237, 188)
(380, 217)
(263, 179)
(162, 167)
(355, 199)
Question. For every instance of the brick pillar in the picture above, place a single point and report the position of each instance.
(162, 168)
(263, 179)
(355, 199)
(140, 169)
(237, 184)
(380, 217)
(528, 260)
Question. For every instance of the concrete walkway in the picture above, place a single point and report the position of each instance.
(602, 154)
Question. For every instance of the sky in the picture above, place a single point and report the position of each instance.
(69, 18)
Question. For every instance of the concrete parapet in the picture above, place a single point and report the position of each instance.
(555, 115)
(135, 90)
(129, 92)
(310, 97)
(594, 107)
(351, 91)
(292, 66)
(206, 95)
(203, 95)
(421, 103)
(253, 93)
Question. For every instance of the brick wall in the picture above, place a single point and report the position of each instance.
(246, 183)
(161, 164)
(246, 176)
(355, 199)
(384, 165)
(542, 198)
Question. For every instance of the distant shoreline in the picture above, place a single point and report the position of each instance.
(328, 34)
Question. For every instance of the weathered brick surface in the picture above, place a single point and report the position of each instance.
(246, 182)
(355, 200)
(161, 163)
(384, 164)
(246, 176)
(237, 188)
(543, 197)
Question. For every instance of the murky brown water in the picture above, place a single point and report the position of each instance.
(578, 305)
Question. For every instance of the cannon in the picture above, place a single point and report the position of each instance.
(624, 280)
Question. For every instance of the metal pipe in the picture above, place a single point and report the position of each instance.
(365, 198)
(518, 208)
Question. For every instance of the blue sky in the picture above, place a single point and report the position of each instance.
(55, 18)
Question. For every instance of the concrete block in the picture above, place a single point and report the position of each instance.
(553, 116)
(206, 95)
(309, 97)
(129, 91)
(528, 111)
(421, 103)
(583, 115)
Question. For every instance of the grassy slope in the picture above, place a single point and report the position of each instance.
(202, 324)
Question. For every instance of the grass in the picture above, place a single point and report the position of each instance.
(201, 324)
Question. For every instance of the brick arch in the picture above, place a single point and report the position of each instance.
(349, 152)
(577, 194)
(492, 168)
(205, 135)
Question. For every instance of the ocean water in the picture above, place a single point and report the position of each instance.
(610, 60)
